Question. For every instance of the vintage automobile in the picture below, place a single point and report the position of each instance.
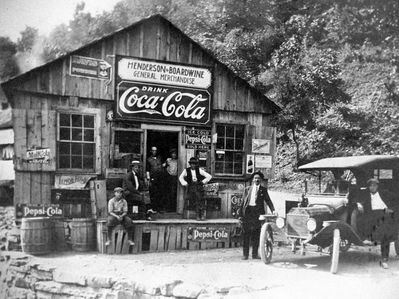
(323, 215)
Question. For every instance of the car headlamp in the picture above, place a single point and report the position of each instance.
(280, 222)
(311, 224)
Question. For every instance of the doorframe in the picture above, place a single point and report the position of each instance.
(181, 159)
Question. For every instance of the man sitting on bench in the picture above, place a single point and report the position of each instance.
(117, 211)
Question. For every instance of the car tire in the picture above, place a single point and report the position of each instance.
(335, 251)
(266, 243)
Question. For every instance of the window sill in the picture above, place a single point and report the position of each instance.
(230, 177)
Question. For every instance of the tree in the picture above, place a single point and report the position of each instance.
(8, 65)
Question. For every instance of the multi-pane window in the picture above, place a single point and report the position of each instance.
(229, 149)
(76, 145)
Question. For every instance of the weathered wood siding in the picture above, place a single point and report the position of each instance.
(154, 38)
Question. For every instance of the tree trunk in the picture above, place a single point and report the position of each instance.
(294, 138)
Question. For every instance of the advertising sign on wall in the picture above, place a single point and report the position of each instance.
(152, 90)
(261, 146)
(38, 155)
(205, 233)
(28, 211)
(89, 67)
(198, 139)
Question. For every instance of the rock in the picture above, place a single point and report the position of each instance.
(148, 287)
(41, 275)
(239, 290)
(69, 277)
(124, 295)
(124, 284)
(187, 290)
(48, 287)
(167, 288)
(99, 282)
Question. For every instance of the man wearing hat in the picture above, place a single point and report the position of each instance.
(117, 214)
(155, 178)
(253, 206)
(133, 185)
(376, 221)
(194, 178)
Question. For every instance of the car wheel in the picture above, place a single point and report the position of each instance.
(266, 243)
(335, 251)
(397, 247)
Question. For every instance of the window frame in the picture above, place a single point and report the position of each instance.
(97, 147)
(243, 151)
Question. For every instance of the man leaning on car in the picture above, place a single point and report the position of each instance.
(376, 222)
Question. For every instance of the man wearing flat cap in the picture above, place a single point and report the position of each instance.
(117, 214)
(254, 198)
(194, 178)
(376, 221)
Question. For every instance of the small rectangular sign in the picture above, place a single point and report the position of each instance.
(198, 139)
(38, 155)
(263, 161)
(32, 211)
(202, 233)
(261, 146)
(89, 67)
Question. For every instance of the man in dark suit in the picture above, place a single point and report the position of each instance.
(376, 221)
(253, 206)
(132, 185)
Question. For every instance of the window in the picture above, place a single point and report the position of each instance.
(230, 150)
(76, 145)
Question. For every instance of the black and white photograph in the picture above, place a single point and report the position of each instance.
(199, 149)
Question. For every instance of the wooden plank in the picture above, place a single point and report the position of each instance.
(99, 210)
(138, 235)
(18, 188)
(161, 238)
(34, 138)
(184, 237)
(26, 188)
(178, 237)
(36, 188)
(150, 40)
(134, 42)
(119, 241)
(20, 141)
(154, 240)
(163, 51)
(125, 246)
(193, 245)
(105, 141)
(184, 49)
(172, 238)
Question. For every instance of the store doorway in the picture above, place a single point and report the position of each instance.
(166, 142)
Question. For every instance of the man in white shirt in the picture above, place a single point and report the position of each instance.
(376, 221)
(194, 178)
(254, 198)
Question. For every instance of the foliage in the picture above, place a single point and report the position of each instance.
(8, 66)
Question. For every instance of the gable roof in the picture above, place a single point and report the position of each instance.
(274, 106)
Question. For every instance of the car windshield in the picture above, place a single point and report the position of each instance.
(335, 182)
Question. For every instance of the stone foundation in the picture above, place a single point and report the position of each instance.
(22, 277)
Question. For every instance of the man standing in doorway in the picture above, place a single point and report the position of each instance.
(253, 206)
(195, 178)
(171, 180)
(155, 179)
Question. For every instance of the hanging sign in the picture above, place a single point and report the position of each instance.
(198, 139)
(156, 91)
(89, 67)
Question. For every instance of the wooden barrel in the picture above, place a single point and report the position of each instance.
(36, 235)
(82, 234)
(59, 236)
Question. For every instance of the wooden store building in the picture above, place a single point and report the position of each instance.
(81, 119)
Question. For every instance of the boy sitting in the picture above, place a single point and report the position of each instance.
(117, 211)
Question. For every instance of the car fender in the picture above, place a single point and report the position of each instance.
(324, 237)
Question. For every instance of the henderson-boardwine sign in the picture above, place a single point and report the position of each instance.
(154, 90)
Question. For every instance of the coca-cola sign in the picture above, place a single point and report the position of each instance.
(156, 102)
(153, 90)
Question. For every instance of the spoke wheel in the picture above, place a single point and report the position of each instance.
(335, 251)
(266, 243)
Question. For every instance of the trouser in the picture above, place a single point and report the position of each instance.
(385, 248)
(171, 192)
(136, 199)
(196, 194)
(251, 231)
(156, 192)
(126, 222)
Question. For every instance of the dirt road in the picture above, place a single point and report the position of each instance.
(288, 276)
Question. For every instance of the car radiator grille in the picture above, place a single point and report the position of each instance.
(296, 225)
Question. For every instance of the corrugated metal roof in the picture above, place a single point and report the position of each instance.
(7, 172)
(6, 136)
(370, 161)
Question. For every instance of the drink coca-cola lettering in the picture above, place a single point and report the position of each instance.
(174, 104)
